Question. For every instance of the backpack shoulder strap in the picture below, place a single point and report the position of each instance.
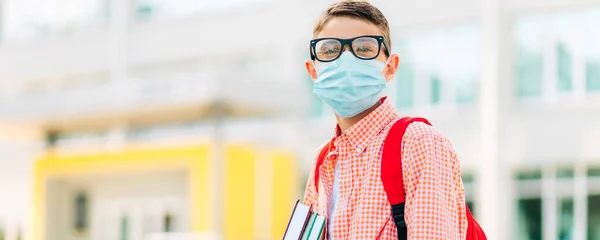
(391, 171)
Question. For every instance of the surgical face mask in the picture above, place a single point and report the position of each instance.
(350, 85)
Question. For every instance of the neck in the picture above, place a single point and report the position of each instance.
(346, 123)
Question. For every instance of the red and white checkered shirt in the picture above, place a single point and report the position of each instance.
(435, 199)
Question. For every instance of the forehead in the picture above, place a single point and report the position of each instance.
(347, 27)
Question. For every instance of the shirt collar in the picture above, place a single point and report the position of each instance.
(360, 134)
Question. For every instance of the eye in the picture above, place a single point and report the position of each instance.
(330, 51)
(364, 49)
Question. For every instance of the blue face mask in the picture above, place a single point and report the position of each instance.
(350, 85)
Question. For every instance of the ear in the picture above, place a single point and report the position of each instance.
(391, 67)
(310, 68)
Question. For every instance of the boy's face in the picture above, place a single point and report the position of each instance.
(346, 28)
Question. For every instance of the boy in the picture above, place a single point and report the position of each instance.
(351, 62)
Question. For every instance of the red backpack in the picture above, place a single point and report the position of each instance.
(391, 177)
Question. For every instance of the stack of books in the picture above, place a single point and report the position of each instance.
(305, 225)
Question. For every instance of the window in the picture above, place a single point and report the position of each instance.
(528, 222)
(124, 228)
(436, 89)
(530, 219)
(145, 9)
(565, 219)
(592, 51)
(564, 68)
(467, 178)
(468, 182)
(593, 171)
(529, 74)
(167, 223)
(530, 214)
(565, 172)
(593, 217)
(81, 212)
(593, 76)
(467, 91)
(574, 38)
(68, 140)
(450, 57)
(35, 18)
(534, 174)
(471, 206)
(52, 138)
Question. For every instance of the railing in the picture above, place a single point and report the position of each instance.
(184, 236)
(110, 95)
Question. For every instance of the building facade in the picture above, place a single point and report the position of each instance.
(140, 118)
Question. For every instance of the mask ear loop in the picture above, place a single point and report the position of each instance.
(316, 67)
(321, 65)
(386, 64)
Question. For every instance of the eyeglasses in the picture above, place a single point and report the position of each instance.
(363, 47)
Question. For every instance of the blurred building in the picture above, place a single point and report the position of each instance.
(141, 119)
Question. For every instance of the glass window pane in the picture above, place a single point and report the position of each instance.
(593, 217)
(405, 77)
(529, 61)
(436, 90)
(466, 91)
(529, 74)
(124, 228)
(565, 219)
(81, 212)
(592, 50)
(564, 68)
(565, 172)
(167, 223)
(593, 171)
(529, 174)
(471, 206)
(530, 219)
(593, 76)
(467, 178)
(144, 10)
(449, 56)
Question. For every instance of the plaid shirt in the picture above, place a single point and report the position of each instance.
(435, 199)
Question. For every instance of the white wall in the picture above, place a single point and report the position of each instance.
(16, 183)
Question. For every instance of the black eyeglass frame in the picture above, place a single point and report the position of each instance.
(380, 41)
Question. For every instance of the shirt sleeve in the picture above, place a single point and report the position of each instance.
(435, 204)
(310, 192)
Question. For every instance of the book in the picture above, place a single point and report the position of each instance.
(318, 229)
(309, 226)
(298, 222)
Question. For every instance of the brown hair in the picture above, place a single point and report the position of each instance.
(359, 9)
